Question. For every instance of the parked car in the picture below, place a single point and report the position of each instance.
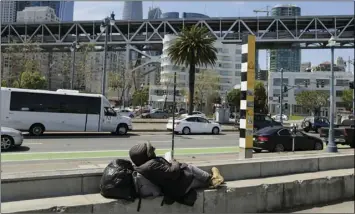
(263, 120)
(194, 124)
(10, 138)
(279, 139)
(314, 123)
(158, 114)
(277, 117)
(195, 113)
(125, 112)
(343, 134)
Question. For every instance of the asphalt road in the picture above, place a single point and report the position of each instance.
(96, 142)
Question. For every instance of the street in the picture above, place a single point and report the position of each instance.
(83, 151)
(343, 207)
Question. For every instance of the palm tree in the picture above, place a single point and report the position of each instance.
(193, 47)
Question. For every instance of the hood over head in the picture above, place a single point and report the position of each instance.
(142, 153)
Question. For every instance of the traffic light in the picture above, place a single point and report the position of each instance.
(322, 83)
(351, 85)
(279, 99)
(286, 106)
(317, 84)
(285, 88)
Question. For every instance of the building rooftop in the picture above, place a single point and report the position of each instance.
(285, 5)
(44, 8)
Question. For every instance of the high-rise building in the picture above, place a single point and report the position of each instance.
(154, 13)
(8, 11)
(132, 10)
(63, 9)
(289, 60)
(37, 15)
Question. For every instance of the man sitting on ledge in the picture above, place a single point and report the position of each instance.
(176, 180)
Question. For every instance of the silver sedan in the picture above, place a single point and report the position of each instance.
(10, 138)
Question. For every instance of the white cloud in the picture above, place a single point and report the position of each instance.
(96, 10)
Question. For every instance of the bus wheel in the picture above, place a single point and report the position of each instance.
(36, 129)
(121, 129)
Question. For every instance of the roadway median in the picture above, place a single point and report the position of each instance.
(257, 185)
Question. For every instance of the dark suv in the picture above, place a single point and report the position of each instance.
(314, 123)
(261, 121)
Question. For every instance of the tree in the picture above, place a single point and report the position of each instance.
(312, 100)
(347, 98)
(82, 73)
(260, 98)
(3, 83)
(140, 97)
(233, 98)
(193, 47)
(206, 83)
(30, 80)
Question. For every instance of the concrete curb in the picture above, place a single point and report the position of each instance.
(26, 186)
(246, 196)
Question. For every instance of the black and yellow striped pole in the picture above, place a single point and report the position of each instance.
(247, 97)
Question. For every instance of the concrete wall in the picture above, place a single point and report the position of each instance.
(17, 187)
(244, 196)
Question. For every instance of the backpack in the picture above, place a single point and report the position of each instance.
(117, 181)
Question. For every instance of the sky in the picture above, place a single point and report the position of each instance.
(92, 10)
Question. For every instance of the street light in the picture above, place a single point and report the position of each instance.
(332, 147)
(108, 21)
(73, 48)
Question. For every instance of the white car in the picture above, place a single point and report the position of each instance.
(10, 138)
(194, 124)
(125, 112)
(277, 117)
(195, 113)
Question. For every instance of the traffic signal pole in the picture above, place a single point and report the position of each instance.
(281, 93)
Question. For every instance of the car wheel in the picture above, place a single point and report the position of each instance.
(215, 130)
(257, 150)
(36, 129)
(186, 130)
(121, 129)
(318, 146)
(279, 148)
(6, 142)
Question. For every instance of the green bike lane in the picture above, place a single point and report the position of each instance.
(47, 156)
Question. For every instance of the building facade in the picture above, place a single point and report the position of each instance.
(193, 15)
(170, 15)
(37, 15)
(132, 10)
(288, 59)
(154, 13)
(63, 9)
(298, 79)
(8, 11)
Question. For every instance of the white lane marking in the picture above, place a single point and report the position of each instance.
(87, 166)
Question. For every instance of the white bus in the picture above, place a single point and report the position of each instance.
(38, 111)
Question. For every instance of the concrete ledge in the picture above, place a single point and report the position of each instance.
(244, 196)
(25, 186)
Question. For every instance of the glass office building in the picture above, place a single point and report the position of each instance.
(132, 10)
(193, 15)
(170, 15)
(289, 60)
(63, 9)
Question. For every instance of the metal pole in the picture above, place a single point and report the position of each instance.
(174, 107)
(73, 68)
(105, 60)
(332, 147)
(1, 12)
(353, 101)
(281, 93)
